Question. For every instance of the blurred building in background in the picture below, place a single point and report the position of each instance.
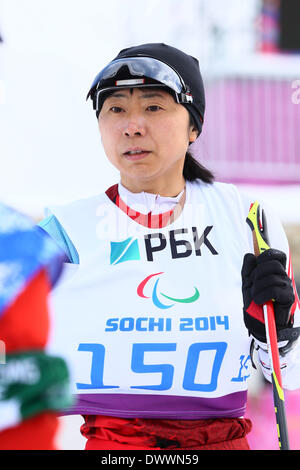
(252, 124)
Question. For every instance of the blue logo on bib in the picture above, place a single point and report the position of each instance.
(126, 250)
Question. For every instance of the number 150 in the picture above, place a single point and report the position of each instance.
(166, 370)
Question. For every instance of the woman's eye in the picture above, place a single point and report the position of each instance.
(116, 109)
(154, 107)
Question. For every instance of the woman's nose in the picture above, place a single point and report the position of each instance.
(135, 125)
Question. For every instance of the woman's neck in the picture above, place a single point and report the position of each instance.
(163, 188)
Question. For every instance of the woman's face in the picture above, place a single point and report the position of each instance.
(145, 135)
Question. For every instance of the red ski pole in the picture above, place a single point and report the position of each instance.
(261, 243)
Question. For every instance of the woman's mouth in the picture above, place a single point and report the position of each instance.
(136, 154)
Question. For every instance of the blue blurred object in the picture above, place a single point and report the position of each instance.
(55, 230)
(24, 250)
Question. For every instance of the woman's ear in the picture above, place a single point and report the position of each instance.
(193, 134)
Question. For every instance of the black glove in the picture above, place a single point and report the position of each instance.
(264, 278)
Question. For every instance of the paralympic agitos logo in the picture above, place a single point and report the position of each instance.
(155, 299)
(128, 250)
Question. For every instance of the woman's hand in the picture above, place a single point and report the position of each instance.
(264, 278)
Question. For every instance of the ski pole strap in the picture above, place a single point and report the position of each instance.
(32, 382)
(290, 335)
(287, 335)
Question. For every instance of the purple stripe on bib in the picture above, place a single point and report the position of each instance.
(159, 406)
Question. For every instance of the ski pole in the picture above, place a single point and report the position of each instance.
(261, 244)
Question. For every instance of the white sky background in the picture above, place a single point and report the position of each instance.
(50, 147)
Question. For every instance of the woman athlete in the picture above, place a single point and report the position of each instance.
(163, 296)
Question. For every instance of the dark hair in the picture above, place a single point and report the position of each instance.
(192, 169)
